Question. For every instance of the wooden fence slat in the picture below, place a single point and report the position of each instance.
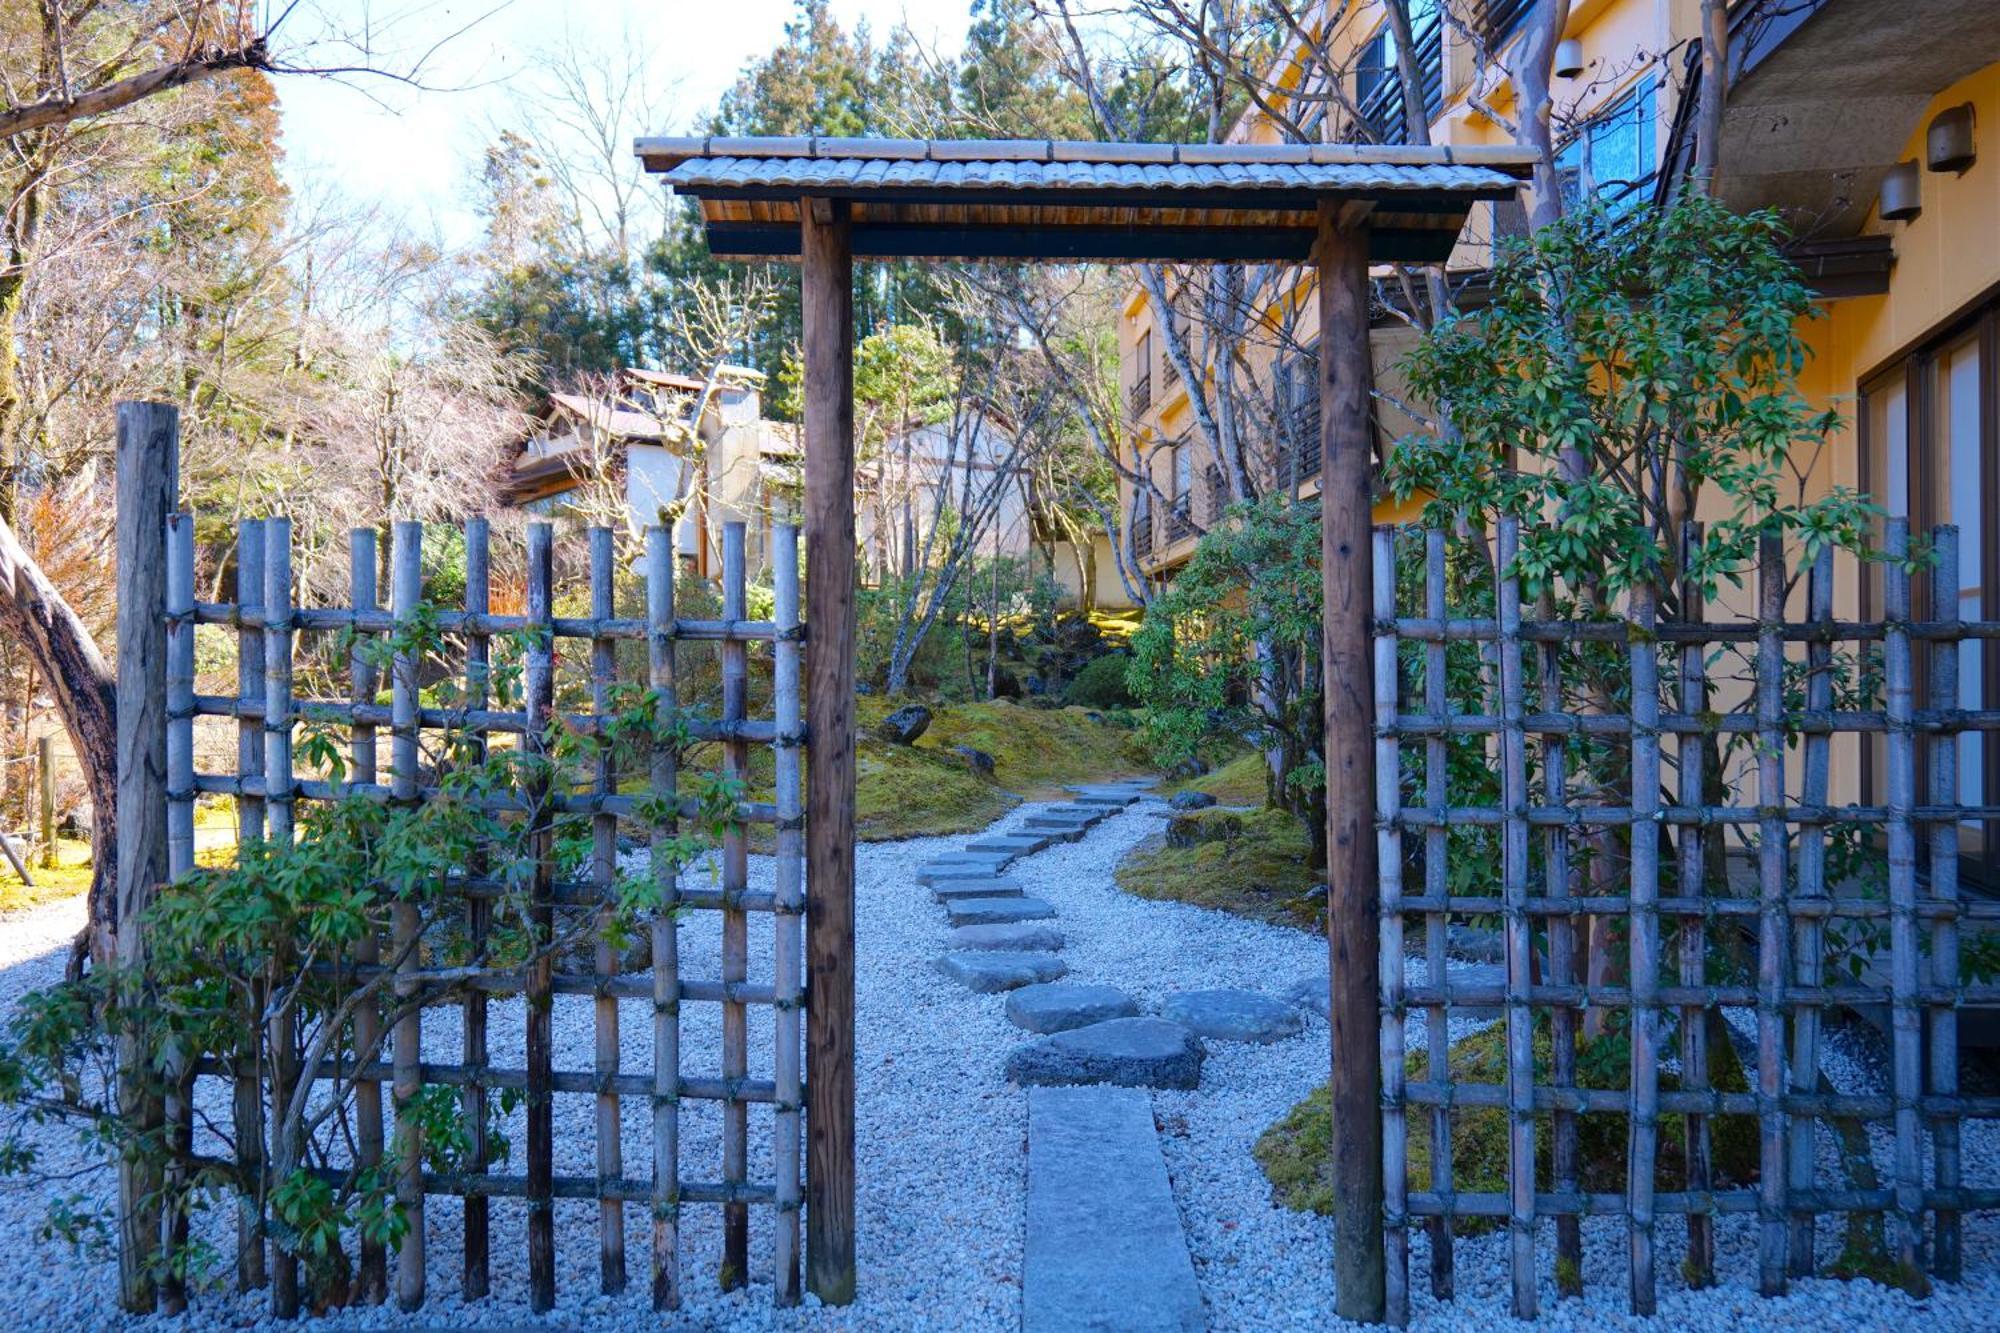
(406, 591)
(1643, 935)
(1389, 868)
(1520, 1018)
(179, 1101)
(474, 1105)
(604, 866)
(539, 685)
(1437, 925)
(247, 1096)
(1564, 1158)
(1772, 935)
(1905, 1031)
(277, 606)
(1809, 931)
(735, 925)
(790, 896)
(1947, 1249)
(1691, 850)
(665, 925)
(364, 680)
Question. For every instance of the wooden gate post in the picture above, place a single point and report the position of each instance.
(1352, 928)
(827, 282)
(45, 777)
(148, 491)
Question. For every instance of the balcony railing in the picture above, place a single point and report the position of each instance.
(1142, 530)
(1180, 519)
(1501, 19)
(1140, 395)
(1215, 495)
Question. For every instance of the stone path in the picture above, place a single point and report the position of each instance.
(1105, 1247)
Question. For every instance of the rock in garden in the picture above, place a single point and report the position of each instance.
(1197, 827)
(996, 911)
(1233, 1015)
(1313, 991)
(1191, 800)
(905, 725)
(1025, 935)
(1061, 1005)
(988, 970)
(1188, 768)
(975, 759)
(990, 886)
(1131, 1052)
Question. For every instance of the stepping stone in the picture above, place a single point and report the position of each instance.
(1065, 833)
(993, 886)
(934, 873)
(1131, 1052)
(1104, 1248)
(988, 970)
(1024, 935)
(996, 911)
(1109, 800)
(1011, 844)
(1233, 1015)
(1313, 991)
(1061, 1005)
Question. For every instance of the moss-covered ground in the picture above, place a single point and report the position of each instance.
(1293, 1152)
(1259, 870)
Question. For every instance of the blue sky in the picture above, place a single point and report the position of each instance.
(410, 150)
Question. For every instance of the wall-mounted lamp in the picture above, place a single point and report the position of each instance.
(1902, 196)
(1948, 145)
(1569, 58)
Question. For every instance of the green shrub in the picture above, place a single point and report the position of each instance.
(1102, 684)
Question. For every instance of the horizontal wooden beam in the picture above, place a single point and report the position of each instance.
(1120, 244)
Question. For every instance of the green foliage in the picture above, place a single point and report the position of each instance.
(1256, 864)
(1627, 369)
(1103, 683)
(1231, 649)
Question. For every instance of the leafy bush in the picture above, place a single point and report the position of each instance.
(1102, 683)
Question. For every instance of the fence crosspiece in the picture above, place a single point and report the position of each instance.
(1690, 752)
(1643, 931)
(1809, 931)
(280, 790)
(247, 1095)
(1389, 869)
(1437, 882)
(473, 1103)
(665, 925)
(406, 591)
(604, 868)
(1520, 1018)
(789, 905)
(364, 679)
(1946, 1250)
(539, 685)
(735, 925)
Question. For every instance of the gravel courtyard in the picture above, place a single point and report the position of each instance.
(942, 1149)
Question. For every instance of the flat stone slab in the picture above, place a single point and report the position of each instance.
(1233, 1015)
(1011, 844)
(990, 970)
(1109, 800)
(1018, 935)
(1058, 1006)
(1104, 1248)
(1131, 1052)
(993, 886)
(997, 911)
(933, 873)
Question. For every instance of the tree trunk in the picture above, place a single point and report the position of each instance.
(34, 614)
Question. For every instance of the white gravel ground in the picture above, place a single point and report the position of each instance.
(941, 1149)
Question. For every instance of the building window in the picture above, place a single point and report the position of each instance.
(1378, 85)
(1928, 427)
(1610, 158)
(1142, 379)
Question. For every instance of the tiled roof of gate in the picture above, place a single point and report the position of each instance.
(1039, 198)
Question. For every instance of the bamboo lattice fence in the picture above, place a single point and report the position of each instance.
(269, 625)
(1677, 923)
